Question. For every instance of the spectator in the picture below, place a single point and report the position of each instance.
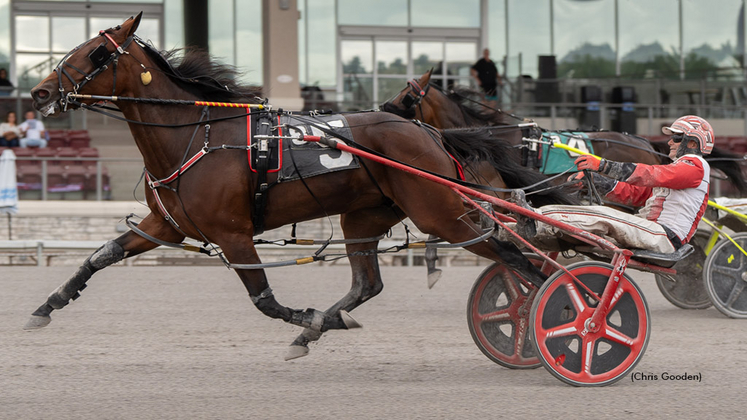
(5, 85)
(10, 132)
(486, 74)
(33, 131)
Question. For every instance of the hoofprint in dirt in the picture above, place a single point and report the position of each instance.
(176, 342)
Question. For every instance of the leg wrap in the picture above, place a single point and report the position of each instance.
(108, 254)
(310, 318)
(267, 304)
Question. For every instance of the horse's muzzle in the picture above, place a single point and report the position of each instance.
(44, 99)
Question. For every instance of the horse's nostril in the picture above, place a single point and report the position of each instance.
(41, 93)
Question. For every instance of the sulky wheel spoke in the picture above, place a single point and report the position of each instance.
(497, 316)
(734, 294)
(561, 331)
(576, 298)
(618, 337)
(511, 287)
(728, 271)
(587, 352)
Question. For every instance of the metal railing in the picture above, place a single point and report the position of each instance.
(99, 190)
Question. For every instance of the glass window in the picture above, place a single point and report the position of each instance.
(358, 91)
(322, 45)
(367, 12)
(529, 33)
(426, 56)
(445, 13)
(711, 39)
(497, 29)
(68, 33)
(391, 57)
(220, 30)
(649, 40)
(173, 16)
(390, 87)
(32, 33)
(249, 39)
(32, 68)
(460, 56)
(584, 46)
(357, 57)
(5, 35)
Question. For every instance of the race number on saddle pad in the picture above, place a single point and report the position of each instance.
(310, 158)
(555, 160)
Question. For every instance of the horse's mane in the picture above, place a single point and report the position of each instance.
(475, 114)
(195, 71)
(472, 145)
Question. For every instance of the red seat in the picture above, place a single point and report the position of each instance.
(79, 142)
(22, 152)
(55, 177)
(75, 177)
(91, 179)
(69, 153)
(29, 177)
(56, 142)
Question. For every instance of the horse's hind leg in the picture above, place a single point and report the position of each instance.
(127, 245)
(366, 282)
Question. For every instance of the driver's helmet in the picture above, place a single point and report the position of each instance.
(695, 127)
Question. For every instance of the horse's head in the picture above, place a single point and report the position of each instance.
(79, 70)
(409, 102)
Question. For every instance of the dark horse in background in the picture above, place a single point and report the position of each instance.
(211, 201)
(460, 107)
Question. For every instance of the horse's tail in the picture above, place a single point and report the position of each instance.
(470, 145)
(728, 163)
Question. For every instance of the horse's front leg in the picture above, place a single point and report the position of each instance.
(364, 263)
(127, 245)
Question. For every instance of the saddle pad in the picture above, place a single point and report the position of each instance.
(555, 160)
(309, 158)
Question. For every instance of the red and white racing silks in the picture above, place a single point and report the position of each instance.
(675, 195)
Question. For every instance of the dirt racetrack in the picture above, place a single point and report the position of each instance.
(185, 342)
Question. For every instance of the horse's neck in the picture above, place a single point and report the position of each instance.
(162, 148)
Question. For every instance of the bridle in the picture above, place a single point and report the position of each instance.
(101, 59)
(416, 93)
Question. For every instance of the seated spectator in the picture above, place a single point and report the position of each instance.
(10, 132)
(33, 131)
(5, 85)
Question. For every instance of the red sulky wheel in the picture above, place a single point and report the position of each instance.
(559, 318)
(498, 316)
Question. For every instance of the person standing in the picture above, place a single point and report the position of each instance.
(10, 132)
(33, 131)
(5, 85)
(486, 74)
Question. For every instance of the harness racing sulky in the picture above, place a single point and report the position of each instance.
(222, 166)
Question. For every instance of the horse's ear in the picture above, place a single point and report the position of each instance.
(133, 24)
(426, 77)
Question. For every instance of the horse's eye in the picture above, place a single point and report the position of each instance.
(99, 56)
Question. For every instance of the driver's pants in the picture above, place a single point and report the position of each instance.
(625, 230)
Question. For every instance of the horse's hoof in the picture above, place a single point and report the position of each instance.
(433, 277)
(294, 352)
(349, 321)
(37, 322)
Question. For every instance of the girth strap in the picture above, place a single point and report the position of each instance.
(263, 127)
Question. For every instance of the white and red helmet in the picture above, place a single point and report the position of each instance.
(692, 126)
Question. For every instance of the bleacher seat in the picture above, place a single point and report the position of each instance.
(69, 153)
(46, 152)
(56, 142)
(78, 139)
(26, 153)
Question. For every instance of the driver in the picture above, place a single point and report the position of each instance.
(674, 196)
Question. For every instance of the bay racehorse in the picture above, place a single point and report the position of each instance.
(202, 187)
(461, 107)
